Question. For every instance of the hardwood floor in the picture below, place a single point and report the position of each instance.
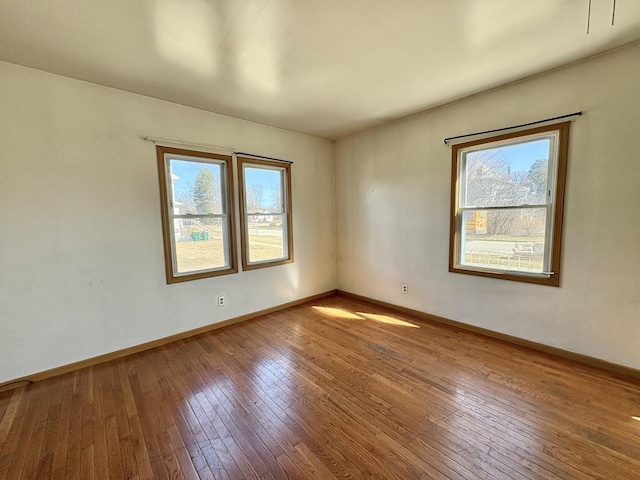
(335, 388)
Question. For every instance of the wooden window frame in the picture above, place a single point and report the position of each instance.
(553, 258)
(168, 216)
(287, 215)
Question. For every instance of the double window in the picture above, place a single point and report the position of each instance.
(507, 203)
(198, 213)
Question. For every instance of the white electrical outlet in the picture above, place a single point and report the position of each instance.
(405, 289)
(222, 300)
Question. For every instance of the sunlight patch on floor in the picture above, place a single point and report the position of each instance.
(387, 319)
(340, 313)
(337, 313)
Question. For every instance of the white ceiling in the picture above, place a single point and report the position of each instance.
(328, 68)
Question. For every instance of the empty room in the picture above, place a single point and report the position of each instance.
(271, 239)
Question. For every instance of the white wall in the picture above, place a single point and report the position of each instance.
(393, 193)
(81, 256)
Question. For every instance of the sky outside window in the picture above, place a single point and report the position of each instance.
(520, 156)
(188, 171)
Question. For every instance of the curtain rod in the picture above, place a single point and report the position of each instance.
(575, 114)
(214, 148)
(245, 154)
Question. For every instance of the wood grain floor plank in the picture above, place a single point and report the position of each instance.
(102, 412)
(21, 452)
(8, 414)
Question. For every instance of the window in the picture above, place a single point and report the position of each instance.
(265, 208)
(506, 205)
(196, 192)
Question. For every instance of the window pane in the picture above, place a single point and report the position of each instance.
(266, 237)
(507, 175)
(509, 239)
(197, 187)
(199, 244)
(263, 190)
